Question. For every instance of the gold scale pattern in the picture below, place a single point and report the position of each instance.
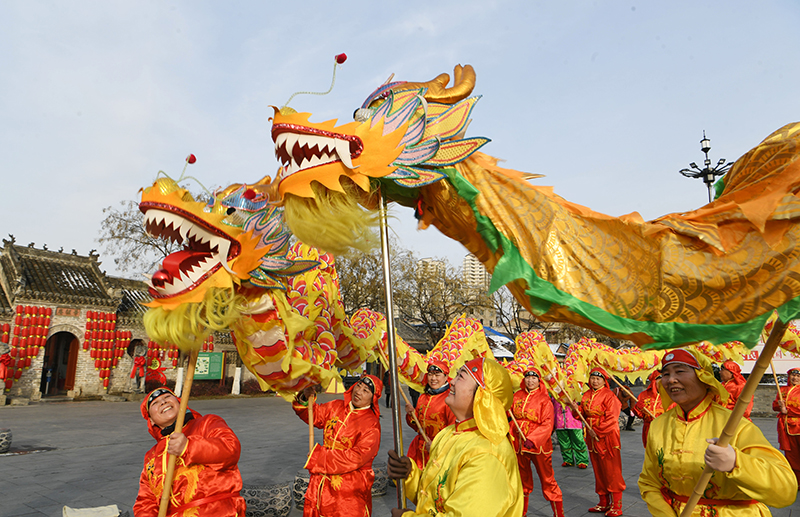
(728, 262)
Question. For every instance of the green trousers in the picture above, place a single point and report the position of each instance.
(573, 448)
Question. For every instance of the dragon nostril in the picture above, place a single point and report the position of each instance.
(160, 278)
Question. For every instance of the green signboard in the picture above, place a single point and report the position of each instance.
(210, 365)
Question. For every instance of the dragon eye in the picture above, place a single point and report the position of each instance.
(230, 210)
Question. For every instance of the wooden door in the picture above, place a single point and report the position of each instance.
(74, 347)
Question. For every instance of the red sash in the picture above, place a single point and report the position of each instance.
(669, 496)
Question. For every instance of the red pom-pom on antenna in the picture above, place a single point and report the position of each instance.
(191, 158)
(341, 58)
(249, 194)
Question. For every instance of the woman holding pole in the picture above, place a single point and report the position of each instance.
(532, 409)
(731, 376)
(432, 414)
(601, 408)
(748, 473)
(341, 468)
(648, 404)
(787, 404)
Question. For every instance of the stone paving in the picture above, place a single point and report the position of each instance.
(86, 454)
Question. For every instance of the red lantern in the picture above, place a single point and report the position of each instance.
(174, 363)
(9, 383)
(18, 374)
(27, 362)
(48, 312)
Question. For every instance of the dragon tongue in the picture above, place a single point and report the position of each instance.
(173, 262)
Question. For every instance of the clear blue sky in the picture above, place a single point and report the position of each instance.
(607, 99)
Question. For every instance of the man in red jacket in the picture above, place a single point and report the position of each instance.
(533, 412)
(207, 479)
(432, 412)
(341, 468)
(601, 408)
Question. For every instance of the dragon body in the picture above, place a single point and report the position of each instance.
(714, 274)
(281, 302)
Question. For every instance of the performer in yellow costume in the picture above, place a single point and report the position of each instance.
(750, 473)
(472, 469)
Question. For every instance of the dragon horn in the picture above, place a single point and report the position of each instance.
(437, 88)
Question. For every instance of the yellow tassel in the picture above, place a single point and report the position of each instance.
(332, 221)
(190, 324)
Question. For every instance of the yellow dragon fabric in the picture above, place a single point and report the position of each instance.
(716, 273)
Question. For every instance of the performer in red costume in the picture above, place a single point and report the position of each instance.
(432, 412)
(207, 479)
(341, 468)
(649, 400)
(533, 411)
(789, 420)
(731, 376)
(601, 408)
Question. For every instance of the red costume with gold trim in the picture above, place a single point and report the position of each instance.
(341, 468)
(789, 427)
(735, 387)
(533, 411)
(207, 479)
(649, 400)
(434, 415)
(601, 410)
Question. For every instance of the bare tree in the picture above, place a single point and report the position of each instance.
(361, 277)
(123, 236)
(431, 296)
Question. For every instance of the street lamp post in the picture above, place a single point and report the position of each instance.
(707, 173)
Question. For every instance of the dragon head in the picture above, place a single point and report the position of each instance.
(405, 136)
(236, 238)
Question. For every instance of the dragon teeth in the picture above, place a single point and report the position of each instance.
(289, 147)
(343, 151)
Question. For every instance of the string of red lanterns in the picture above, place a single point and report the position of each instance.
(31, 325)
(106, 345)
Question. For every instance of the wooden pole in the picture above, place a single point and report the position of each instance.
(623, 388)
(170, 474)
(775, 376)
(571, 402)
(738, 410)
(311, 442)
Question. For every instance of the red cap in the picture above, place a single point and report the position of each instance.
(475, 369)
(680, 356)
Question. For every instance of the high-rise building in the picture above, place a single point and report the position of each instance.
(475, 275)
(430, 268)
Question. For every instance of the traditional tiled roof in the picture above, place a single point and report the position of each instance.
(412, 336)
(41, 275)
(134, 293)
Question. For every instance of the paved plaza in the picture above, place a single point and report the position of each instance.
(86, 454)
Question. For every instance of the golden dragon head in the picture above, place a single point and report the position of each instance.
(405, 136)
(236, 239)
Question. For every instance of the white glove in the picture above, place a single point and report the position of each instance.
(721, 459)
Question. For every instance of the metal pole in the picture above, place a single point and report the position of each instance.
(392, 347)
